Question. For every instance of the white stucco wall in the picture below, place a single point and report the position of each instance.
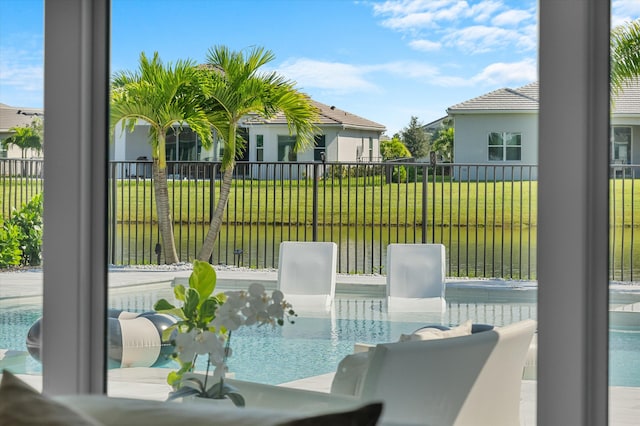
(341, 145)
(471, 134)
(353, 142)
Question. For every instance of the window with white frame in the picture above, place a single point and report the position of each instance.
(505, 146)
(259, 147)
(320, 147)
(621, 145)
(286, 146)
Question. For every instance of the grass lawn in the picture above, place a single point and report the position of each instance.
(359, 201)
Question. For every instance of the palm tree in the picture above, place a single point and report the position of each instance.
(236, 87)
(162, 96)
(625, 54)
(25, 137)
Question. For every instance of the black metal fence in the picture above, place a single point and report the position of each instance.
(485, 215)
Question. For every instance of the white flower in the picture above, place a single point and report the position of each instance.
(186, 346)
(198, 342)
(228, 316)
(276, 310)
(256, 290)
(277, 296)
(219, 371)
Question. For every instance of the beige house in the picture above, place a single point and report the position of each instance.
(342, 136)
(16, 117)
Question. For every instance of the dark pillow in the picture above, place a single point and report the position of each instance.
(366, 415)
(20, 405)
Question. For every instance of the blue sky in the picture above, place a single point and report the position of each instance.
(383, 60)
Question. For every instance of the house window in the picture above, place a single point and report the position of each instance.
(505, 146)
(286, 146)
(320, 147)
(182, 145)
(621, 145)
(259, 147)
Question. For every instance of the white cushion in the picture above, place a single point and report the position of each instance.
(463, 329)
(350, 374)
(20, 404)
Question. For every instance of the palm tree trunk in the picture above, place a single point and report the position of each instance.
(216, 220)
(165, 223)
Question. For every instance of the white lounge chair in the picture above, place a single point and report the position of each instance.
(307, 274)
(416, 277)
(467, 380)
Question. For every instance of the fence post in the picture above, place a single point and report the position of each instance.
(114, 222)
(425, 180)
(314, 213)
(433, 160)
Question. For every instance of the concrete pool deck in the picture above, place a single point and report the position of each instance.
(27, 286)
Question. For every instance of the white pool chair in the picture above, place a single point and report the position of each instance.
(467, 380)
(307, 274)
(416, 277)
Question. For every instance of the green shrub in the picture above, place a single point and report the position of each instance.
(400, 174)
(28, 223)
(10, 253)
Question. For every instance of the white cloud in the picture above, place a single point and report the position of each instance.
(334, 76)
(483, 11)
(342, 79)
(407, 7)
(451, 23)
(410, 22)
(410, 69)
(410, 15)
(21, 69)
(623, 11)
(425, 45)
(511, 18)
(503, 74)
(482, 39)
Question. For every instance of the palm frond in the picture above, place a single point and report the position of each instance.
(625, 54)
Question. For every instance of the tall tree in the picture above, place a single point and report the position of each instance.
(236, 87)
(415, 138)
(26, 137)
(442, 143)
(162, 96)
(625, 54)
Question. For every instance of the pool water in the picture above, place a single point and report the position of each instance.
(316, 344)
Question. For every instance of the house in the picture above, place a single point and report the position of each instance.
(342, 137)
(496, 129)
(500, 128)
(16, 117)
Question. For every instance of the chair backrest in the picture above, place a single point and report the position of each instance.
(467, 380)
(416, 277)
(307, 273)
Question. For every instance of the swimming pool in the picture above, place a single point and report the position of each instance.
(316, 343)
